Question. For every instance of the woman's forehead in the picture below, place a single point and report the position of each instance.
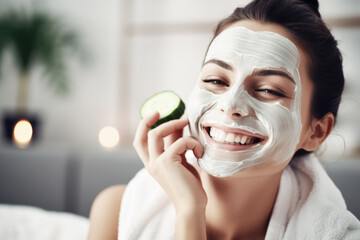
(240, 46)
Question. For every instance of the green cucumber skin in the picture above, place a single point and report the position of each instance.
(176, 114)
(155, 95)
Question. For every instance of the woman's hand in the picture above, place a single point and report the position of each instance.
(169, 167)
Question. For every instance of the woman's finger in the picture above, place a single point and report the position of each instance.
(157, 135)
(173, 137)
(141, 136)
(188, 143)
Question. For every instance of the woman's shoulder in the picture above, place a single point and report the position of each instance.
(104, 213)
(105, 210)
(321, 209)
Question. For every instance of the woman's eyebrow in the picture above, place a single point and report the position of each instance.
(268, 72)
(220, 63)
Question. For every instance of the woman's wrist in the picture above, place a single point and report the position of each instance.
(190, 223)
(189, 210)
(190, 207)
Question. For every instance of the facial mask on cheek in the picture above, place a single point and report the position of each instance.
(247, 50)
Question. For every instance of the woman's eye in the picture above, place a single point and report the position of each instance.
(216, 82)
(270, 91)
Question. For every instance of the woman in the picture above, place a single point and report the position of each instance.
(267, 96)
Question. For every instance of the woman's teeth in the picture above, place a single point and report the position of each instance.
(232, 138)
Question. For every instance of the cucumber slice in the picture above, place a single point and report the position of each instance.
(167, 103)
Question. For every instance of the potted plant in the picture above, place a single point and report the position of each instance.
(35, 39)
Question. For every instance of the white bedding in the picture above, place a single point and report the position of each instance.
(19, 222)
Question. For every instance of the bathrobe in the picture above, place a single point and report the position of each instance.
(308, 206)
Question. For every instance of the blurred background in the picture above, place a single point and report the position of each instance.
(114, 54)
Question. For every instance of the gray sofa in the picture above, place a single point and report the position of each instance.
(63, 181)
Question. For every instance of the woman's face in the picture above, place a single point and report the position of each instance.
(251, 103)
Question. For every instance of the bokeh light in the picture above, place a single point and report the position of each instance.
(109, 137)
(23, 132)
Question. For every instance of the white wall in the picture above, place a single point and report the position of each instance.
(170, 39)
(140, 47)
(92, 102)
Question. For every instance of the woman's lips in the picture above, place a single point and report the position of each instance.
(231, 139)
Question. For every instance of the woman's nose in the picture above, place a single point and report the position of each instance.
(233, 112)
(235, 103)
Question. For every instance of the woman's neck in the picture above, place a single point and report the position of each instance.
(239, 207)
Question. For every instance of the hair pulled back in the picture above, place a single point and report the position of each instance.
(303, 21)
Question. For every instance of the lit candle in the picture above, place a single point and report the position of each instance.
(23, 132)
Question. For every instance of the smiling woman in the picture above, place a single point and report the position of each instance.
(239, 94)
(268, 90)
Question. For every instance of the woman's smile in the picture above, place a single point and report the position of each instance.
(231, 139)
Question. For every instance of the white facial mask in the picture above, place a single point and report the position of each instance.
(246, 50)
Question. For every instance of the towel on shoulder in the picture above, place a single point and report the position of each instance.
(308, 206)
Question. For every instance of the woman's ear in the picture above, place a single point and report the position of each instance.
(320, 130)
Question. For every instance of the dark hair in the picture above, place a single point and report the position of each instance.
(303, 21)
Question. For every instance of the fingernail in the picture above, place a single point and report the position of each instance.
(152, 114)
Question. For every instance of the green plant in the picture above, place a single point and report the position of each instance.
(37, 39)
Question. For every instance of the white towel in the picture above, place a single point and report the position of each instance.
(308, 206)
(146, 211)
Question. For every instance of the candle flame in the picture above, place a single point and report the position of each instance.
(23, 132)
